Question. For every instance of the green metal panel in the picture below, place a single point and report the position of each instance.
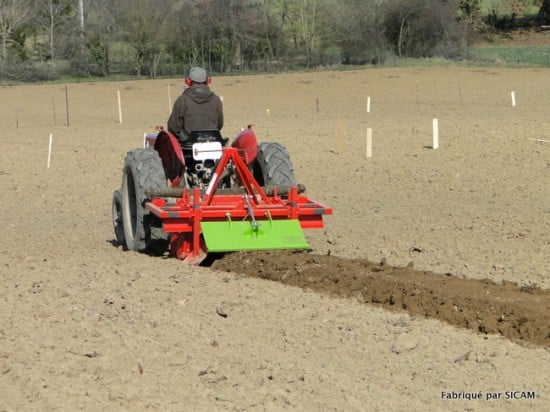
(230, 236)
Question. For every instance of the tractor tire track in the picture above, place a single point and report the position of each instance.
(519, 313)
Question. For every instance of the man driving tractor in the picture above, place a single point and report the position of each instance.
(197, 108)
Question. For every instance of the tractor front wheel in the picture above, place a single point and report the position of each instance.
(142, 171)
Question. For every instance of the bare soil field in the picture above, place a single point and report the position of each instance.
(427, 289)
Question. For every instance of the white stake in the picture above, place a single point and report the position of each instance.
(369, 142)
(119, 107)
(368, 104)
(513, 99)
(221, 98)
(435, 125)
(50, 149)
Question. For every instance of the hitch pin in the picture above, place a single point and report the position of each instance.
(255, 225)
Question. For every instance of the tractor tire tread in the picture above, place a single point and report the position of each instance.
(144, 168)
(275, 164)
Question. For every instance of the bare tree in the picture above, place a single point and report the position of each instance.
(224, 19)
(274, 22)
(356, 30)
(49, 13)
(100, 27)
(398, 14)
(221, 34)
(81, 14)
(249, 36)
(13, 13)
(309, 18)
(141, 23)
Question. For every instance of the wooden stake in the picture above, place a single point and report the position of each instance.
(17, 118)
(368, 104)
(513, 94)
(119, 107)
(369, 142)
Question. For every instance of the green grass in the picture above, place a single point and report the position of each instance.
(502, 8)
(514, 55)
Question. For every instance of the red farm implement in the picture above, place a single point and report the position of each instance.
(203, 197)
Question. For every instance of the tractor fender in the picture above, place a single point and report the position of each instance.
(169, 150)
(246, 144)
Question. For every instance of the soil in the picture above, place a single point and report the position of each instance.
(426, 290)
(518, 313)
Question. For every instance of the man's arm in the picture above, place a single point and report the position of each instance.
(220, 114)
(175, 121)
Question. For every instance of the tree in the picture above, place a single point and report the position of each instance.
(398, 15)
(220, 35)
(274, 24)
(470, 10)
(81, 14)
(181, 38)
(357, 31)
(518, 8)
(235, 28)
(18, 38)
(48, 15)
(13, 13)
(140, 25)
(544, 12)
(98, 31)
(222, 41)
(308, 18)
(423, 28)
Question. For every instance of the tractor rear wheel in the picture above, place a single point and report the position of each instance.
(273, 166)
(142, 230)
(117, 219)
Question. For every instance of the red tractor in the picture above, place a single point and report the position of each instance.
(206, 196)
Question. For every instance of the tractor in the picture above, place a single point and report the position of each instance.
(208, 196)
